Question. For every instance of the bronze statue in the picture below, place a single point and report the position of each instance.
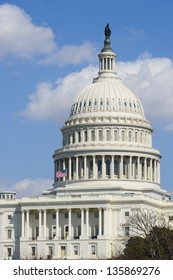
(107, 31)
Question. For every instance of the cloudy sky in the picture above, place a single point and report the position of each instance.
(48, 54)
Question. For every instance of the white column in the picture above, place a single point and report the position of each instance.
(63, 167)
(69, 168)
(44, 223)
(40, 233)
(151, 170)
(69, 223)
(80, 168)
(121, 167)
(158, 171)
(27, 223)
(100, 221)
(85, 167)
(130, 168)
(155, 172)
(77, 168)
(103, 167)
(94, 167)
(87, 222)
(105, 222)
(145, 169)
(139, 168)
(112, 167)
(57, 223)
(23, 224)
(82, 223)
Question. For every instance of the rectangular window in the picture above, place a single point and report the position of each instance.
(50, 250)
(78, 215)
(93, 249)
(9, 217)
(33, 250)
(126, 213)
(36, 216)
(76, 250)
(127, 231)
(66, 215)
(9, 234)
(9, 252)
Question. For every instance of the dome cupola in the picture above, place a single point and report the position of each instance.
(107, 95)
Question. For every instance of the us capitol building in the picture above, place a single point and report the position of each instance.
(106, 168)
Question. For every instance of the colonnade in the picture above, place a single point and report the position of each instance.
(89, 218)
(105, 167)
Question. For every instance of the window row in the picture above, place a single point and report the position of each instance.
(113, 104)
(50, 250)
(92, 135)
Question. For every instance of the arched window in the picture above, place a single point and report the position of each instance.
(99, 167)
(136, 137)
(92, 135)
(85, 136)
(130, 136)
(123, 135)
(100, 135)
(107, 135)
(141, 137)
(108, 167)
(115, 135)
(79, 137)
(73, 135)
(116, 167)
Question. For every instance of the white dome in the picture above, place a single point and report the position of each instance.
(107, 96)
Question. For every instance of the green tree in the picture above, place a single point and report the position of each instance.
(156, 245)
(151, 236)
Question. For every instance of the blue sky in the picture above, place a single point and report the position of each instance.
(48, 54)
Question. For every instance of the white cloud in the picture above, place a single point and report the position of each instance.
(53, 101)
(72, 54)
(26, 187)
(150, 78)
(19, 36)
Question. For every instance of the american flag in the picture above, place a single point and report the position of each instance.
(61, 173)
